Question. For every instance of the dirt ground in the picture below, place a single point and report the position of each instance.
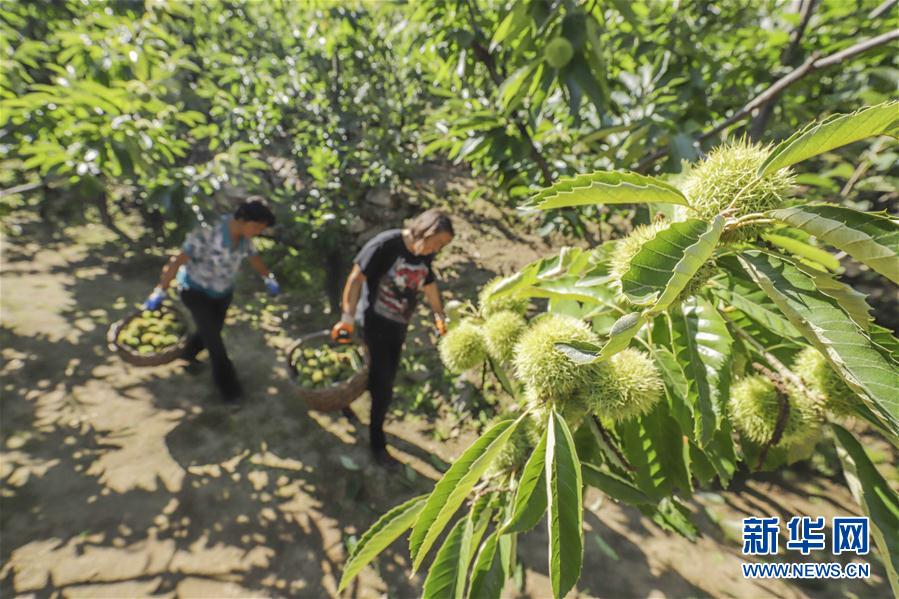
(119, 481)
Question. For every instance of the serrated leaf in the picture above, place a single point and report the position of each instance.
(671, 514)
(665, 264)
(487, 579)
(872, 239)
(500, 373)
(884, 339)
(476, 524)
(381, 534)
(702, 345)
(570, 261)
(609, 453)
(529, 504)
(875, 496)
(614, 486)
(624, 329)
(515, 283)
(512, 90)
(758, 309)
(802, 249)
(654, 447)
(569, 289)
(442, 577)
(852, 301)
(565, 509)
(671, 371)
(579, 352)
(827, 326)
(606, 187)
(452, 489)
(833, 132)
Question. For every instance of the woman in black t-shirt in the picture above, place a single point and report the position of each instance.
(393, 267)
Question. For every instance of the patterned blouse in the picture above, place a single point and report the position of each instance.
(214, 261)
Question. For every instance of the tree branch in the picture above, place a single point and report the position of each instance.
(884, 7)
(786, 59)
(21, 188)
(783, 413)
(814, 63)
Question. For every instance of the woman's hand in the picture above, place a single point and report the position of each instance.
(440, 324)
(342, 332)
(155, 300)
(271, 283)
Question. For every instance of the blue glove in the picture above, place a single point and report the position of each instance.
(271, 283)
(155, 300)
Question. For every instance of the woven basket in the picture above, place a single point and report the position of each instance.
(132, 357)
(333, 398)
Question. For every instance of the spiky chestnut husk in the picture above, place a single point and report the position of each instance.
(572, 408)
(723, 175)
(501, 333)
(702, 276)
(558, 52)
(627, 385)
(546, 372)
(754, 408)
(463, 347)
(491, 305)
(812, 367)
(628, 247)
(515, 453)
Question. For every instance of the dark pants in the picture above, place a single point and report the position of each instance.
(384, 339)
(209, 316)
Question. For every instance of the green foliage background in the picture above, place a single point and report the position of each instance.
(171, 110)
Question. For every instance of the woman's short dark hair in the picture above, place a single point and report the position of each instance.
(255, 209)
(431, 222)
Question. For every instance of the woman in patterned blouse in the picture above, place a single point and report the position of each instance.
(205, 270)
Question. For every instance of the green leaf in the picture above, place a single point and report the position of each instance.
(870, 238)
(569, 289)
(757, 308)
(377, 538)
(514, 284)
(609, 452)
(886, 341)
(654, 447)
(833, 132)
(442, 577)
(452, 489)
(565, 509)
(579, 352)
(479, 519)
(827, 326)
(804, 250)
(529, 504)
(614, 486)
(702, 345)
(624, 329)
(512, 90)
(606, 187)
(852, 301)
(500, 373)
(876, 498)
(487, 579)
(665, 264)
(671, 514)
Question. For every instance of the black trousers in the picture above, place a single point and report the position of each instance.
(384, 339)
(209, 316)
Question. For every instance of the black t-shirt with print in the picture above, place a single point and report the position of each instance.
(394, 275)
